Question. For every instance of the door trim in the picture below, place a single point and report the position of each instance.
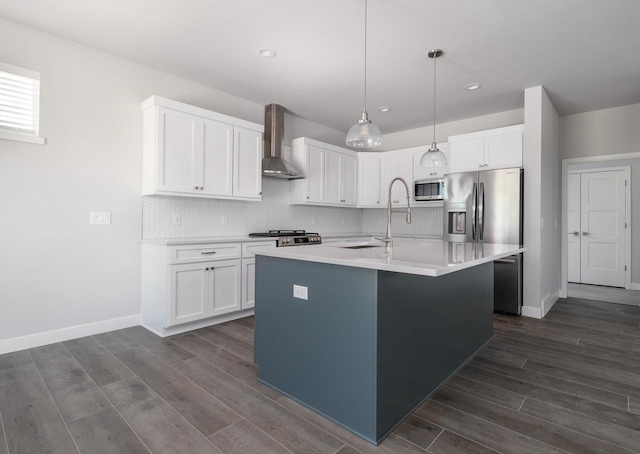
(565, 245)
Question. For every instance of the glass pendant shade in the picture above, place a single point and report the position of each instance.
(364, 134)
(433, 158)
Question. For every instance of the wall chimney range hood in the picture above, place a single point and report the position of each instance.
(273, 164)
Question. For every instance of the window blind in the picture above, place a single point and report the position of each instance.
(19, 102)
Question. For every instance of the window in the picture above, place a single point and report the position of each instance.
(19, 104)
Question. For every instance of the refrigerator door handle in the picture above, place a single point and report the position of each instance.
(481, 213)
(474, 204)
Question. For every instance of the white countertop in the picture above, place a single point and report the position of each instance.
(206, 240)
(246, 238)
(427, 257)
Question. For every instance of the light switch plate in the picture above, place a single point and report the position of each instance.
(301, 292)
(96, 218)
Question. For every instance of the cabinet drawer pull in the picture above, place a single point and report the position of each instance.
(208, 253)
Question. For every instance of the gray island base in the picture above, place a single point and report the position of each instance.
(368, 346)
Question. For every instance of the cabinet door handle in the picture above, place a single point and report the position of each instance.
(206, 269)
(196, 188)
(208, 253)
(201, 188)
(307, 197)
(585, 233)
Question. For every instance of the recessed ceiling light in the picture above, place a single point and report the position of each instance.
(384, 109)
(473, 86)
(267, 52)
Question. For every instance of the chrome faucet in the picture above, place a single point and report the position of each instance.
(387, 240)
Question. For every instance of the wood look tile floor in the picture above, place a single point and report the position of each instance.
(568, 383)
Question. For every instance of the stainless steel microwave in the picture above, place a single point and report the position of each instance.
(426, 190)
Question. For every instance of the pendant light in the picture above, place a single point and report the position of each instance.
(364, 134)
(434, 157)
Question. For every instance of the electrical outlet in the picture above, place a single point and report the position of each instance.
(313, 221)
(341, 221)
(301, 292)
(96, 218)
(177, 219)
(225, 220)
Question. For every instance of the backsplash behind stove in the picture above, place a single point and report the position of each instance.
(201, 217)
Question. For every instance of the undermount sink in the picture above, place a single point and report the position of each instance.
(362, 246)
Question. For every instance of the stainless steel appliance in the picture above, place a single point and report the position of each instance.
(290, 237)
(486, 207)
(273, 164)
(426, 190)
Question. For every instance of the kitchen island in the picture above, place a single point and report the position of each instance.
(377, 334)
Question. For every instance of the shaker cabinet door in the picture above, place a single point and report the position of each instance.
(315, 172)
(350, 180)
(369, 181)
(225, 287)
(247, 163)
(188, 292)
(217, 159)
(178, 151)
(467, 156)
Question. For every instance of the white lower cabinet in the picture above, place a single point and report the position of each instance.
(189, 286)
(201, 290)
(249, 283)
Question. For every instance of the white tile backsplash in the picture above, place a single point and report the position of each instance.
(424, 221)
(201, 217)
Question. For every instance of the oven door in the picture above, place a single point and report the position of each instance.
(427, 190)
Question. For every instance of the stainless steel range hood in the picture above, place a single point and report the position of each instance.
(273, 164)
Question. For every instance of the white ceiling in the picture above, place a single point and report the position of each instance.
(586, 53)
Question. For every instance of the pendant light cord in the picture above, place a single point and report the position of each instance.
(365, 55)
(434, 95)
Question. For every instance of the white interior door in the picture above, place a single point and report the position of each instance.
(603, 236)
(573, 227)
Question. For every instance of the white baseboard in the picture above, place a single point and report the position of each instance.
(64, 334)
(172, 331)
(533, 312)
(549, 301)
(635, 286)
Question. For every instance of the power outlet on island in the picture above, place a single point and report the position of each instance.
(300, 292)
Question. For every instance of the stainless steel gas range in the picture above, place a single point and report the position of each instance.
(290, 237)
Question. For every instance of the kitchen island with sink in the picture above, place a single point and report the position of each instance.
(363, 337)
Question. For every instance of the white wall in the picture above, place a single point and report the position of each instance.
(57, 271)
(424, 136)
(532, 163)
(605, 132)
(550, 210)
(600, 132)
(541, 203)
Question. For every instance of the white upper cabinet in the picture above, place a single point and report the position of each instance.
(194, 152)
(369, 180)
(217, 159)
(178, 152)
(331, 174)
(350, 180)
(247, 158)
(485, 150)
(426, 173)
(396, 164)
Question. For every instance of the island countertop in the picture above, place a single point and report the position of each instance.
(412, 256)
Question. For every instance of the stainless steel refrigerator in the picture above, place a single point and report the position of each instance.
(486, 207)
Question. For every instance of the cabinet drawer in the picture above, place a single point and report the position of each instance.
(204, 252)
(248, 248)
